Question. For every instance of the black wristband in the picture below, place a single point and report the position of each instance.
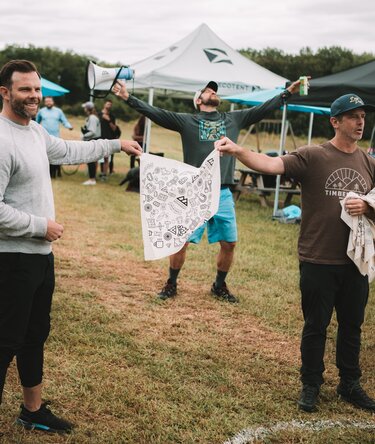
(285, 94)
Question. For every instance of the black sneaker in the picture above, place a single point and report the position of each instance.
(43, 419)
(308, 398)
(223, 293)
(353, 392)
(168, 291)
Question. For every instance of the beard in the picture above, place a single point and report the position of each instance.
(212, 101)
(19, 107)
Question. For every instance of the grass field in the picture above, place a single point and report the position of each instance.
(128, 369)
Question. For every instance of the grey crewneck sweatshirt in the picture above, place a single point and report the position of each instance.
(26, 197)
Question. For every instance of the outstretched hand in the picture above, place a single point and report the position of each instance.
(131, 147)
(226, 146)
(294, 87)
(119, 89)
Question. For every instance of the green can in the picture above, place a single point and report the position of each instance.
(304, 86)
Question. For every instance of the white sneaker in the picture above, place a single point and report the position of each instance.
(90, 182)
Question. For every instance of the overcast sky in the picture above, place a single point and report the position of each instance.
(128, 31)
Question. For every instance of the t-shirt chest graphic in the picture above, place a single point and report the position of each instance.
(211, 130)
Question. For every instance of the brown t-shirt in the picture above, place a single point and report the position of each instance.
(326, 175)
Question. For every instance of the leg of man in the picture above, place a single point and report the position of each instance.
(176, 261)
(30, 356)
(319, 284)
(92, 166)
(15, 307)
(27, 284)
(225, 256)
(222, 227)
(20, 277)
(111, 164)
(350, 308)
(104, 168)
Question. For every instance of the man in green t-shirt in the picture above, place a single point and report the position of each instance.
(198, 133)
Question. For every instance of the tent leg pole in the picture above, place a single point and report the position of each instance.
(147, 137)
(281, 150)
(310, 128)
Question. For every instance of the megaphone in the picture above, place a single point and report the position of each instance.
(101, 78)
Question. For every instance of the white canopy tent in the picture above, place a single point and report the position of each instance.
(189, 64)
(199, 57)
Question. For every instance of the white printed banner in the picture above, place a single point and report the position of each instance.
(175, 199)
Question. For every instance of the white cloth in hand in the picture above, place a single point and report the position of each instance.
(175, 199)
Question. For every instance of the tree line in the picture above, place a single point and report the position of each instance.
(68, 69)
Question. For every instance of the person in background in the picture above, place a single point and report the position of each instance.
(27, 230)
(328, 278)
(91, 131)
(138, 135)
(109, 130)
(51, 117)
(198, 132)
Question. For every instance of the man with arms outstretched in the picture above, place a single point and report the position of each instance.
(198, 133)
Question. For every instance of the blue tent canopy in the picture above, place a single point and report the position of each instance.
(259, 97)
(52, 89)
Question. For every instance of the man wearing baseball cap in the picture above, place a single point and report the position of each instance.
(197, 96)
(198, 133)
(328, 278)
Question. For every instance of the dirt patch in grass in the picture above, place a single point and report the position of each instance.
(128, 287)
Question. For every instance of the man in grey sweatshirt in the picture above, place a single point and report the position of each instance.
(27, 230)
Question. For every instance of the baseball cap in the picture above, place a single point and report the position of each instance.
(348, 102)
(88, 105)
(211, 84)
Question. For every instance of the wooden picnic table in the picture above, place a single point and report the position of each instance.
(264, 185)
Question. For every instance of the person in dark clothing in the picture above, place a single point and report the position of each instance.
(109, 130)
(328, 278)
(198, 132)
(138, 135)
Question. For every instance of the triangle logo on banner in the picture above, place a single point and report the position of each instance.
(183, 200)
(216, 55)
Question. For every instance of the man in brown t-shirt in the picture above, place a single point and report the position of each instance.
(328, 278)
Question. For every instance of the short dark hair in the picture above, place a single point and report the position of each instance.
(15, 66)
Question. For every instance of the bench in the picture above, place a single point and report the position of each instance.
(263, 185)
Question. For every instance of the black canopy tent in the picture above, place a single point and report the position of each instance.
(324, 90)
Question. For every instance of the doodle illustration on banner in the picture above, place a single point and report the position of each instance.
(175, 199)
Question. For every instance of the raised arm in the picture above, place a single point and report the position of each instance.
(246, 117)
(256, 161)
(166, 119)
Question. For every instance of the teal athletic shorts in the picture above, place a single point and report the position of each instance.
(222, 226)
